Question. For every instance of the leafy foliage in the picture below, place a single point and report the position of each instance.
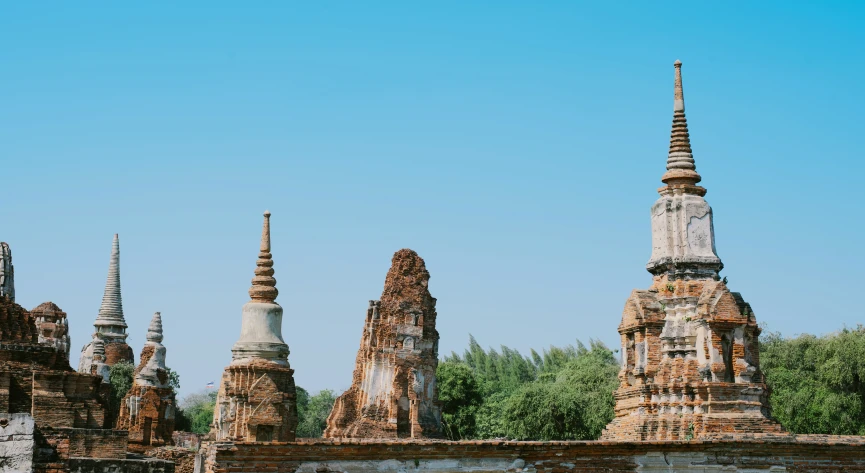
(312, 412)
(196, 412)
(563, 393)
(817, 383)
(461, 397)
(120, 378)
(173, 379)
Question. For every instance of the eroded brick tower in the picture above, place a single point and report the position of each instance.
(690, 351)
(257, 400)
(394, 393)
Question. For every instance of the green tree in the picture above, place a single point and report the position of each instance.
(576, 406)
(173, 379)
(196, 412)
(312, 412)
(460, 395)
(120, 378)
(562, 393)
(817, 383)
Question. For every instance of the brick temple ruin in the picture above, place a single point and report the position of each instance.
(52, 418)
(692, 397)
(393, 392)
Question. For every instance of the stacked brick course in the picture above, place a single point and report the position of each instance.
(393, 392)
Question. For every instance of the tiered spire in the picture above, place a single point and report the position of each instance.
(111, 311)
(154, 331)
(264, 284)
(681, 170)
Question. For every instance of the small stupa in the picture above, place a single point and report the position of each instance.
(148, 410)
(257, 399)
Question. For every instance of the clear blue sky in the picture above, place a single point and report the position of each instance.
(517, 146)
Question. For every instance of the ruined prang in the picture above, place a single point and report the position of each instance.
(393, 392)
(257, 399)
(110, 325)
(148, 409)
(690, 350)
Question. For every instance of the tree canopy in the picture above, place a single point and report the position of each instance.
(817, 383)
(565, 393)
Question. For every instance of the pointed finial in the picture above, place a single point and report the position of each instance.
(264, 284)
(111, 311)
(678, 95)
(154, 331)
(681, 170)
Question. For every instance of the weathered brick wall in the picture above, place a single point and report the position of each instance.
(117, 351)
(153, 416)
(16, 323)
(690, 365)
(752, 454)
(62, 444)
(257, 400)
(186, 439)
(183, 458)
(68, 399)
(98, 465)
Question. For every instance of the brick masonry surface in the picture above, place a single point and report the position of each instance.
(756, 453)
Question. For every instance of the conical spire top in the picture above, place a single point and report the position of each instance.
(264, 284)
(681, 170)
(111, 311)
(154, 331)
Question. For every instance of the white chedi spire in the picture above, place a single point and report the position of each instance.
(110, 320)
(261, 324)
(683, 234)
(148, 375)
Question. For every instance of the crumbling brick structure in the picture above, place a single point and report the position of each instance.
(52, 418)
(110, 324)
(393, 392)
(257, 399)
(148, 409)
(37, 378)
(690, 351)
